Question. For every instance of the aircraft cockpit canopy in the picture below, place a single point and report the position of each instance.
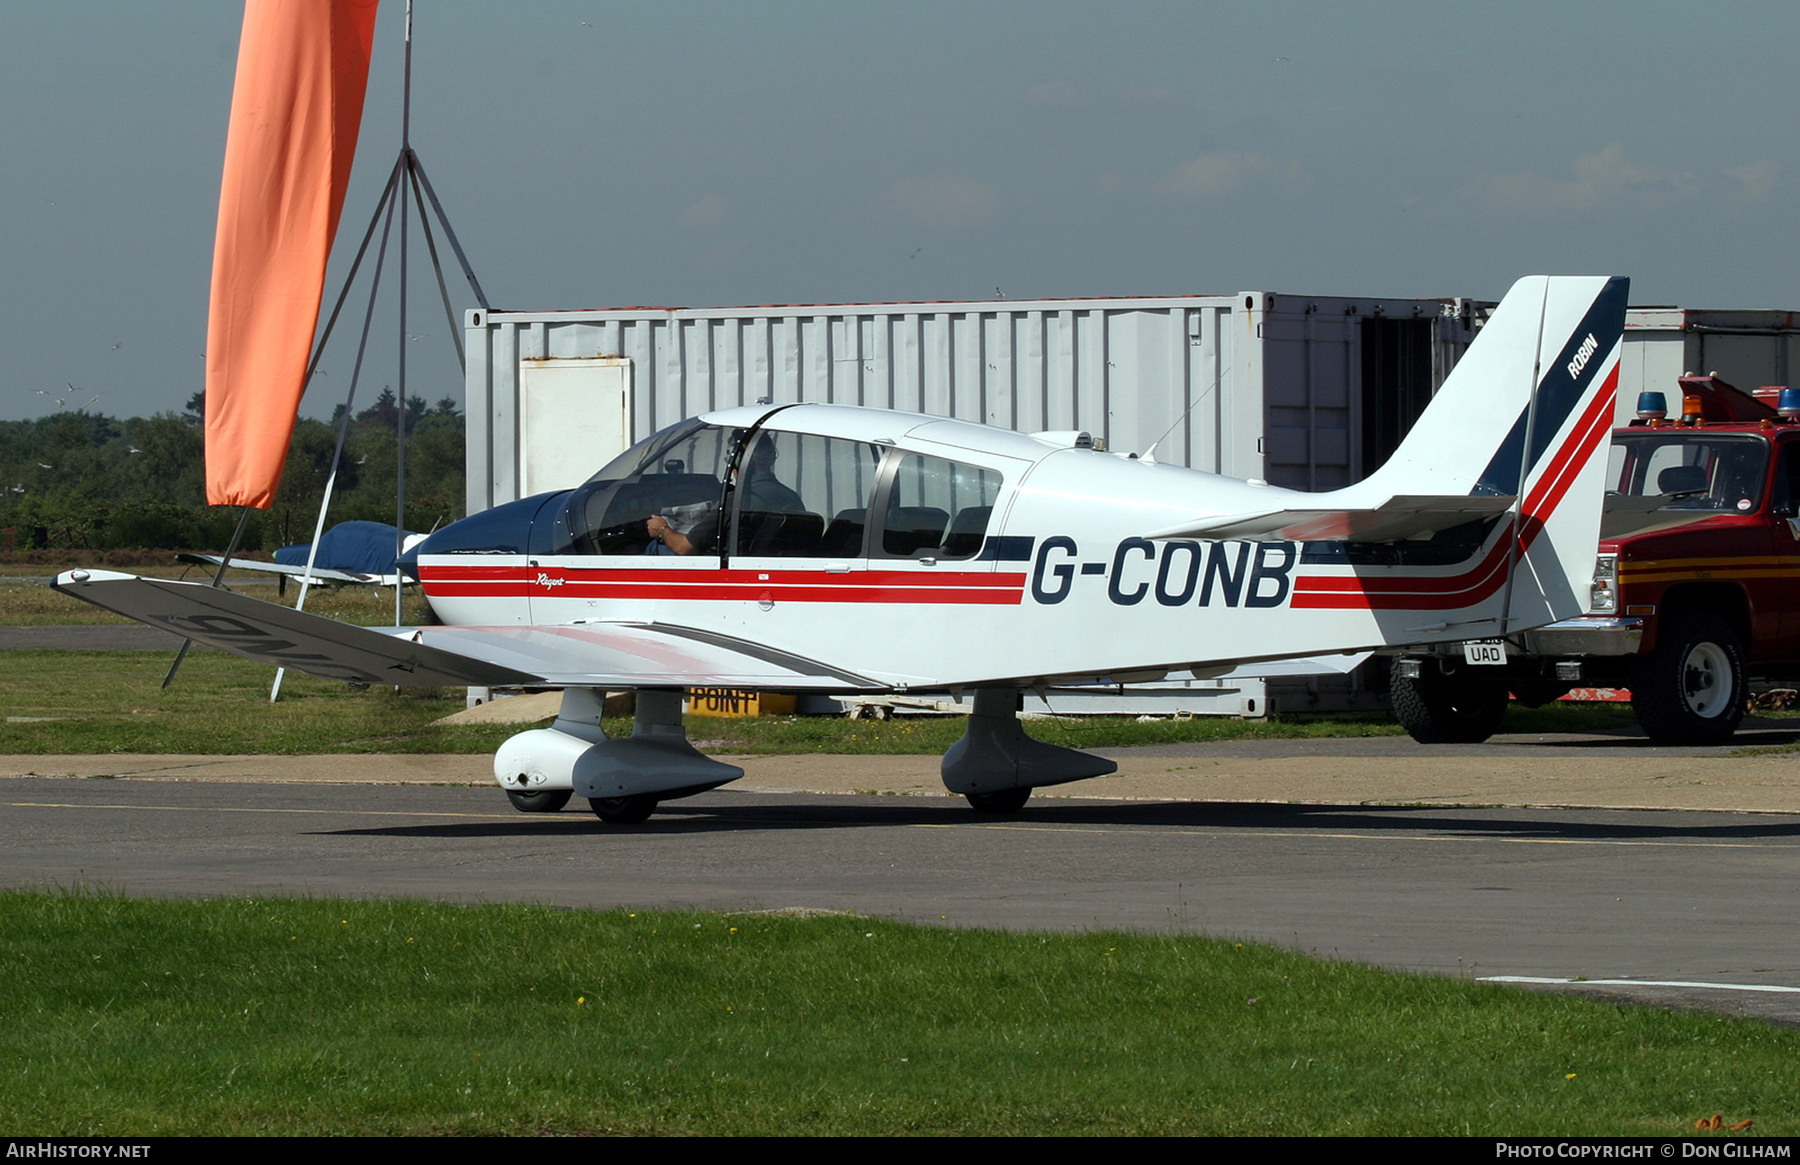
(770, 493)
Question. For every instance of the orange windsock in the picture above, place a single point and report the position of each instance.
(295, 110)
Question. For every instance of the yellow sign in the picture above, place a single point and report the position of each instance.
(734, 702)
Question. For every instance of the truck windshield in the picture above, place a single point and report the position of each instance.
(1695, 469)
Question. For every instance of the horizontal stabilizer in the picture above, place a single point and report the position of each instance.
(320, 574)
(1395, 520)
(1624, 515)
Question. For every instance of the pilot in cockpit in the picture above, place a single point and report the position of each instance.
(683, 529)
(694, 529)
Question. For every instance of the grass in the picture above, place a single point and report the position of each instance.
(123, 1017)
(921, 735)
(102, 702)
(933, 734)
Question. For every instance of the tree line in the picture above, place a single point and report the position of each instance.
(77, 480)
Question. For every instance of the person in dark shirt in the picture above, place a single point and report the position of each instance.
(759, 492)
(762, 490)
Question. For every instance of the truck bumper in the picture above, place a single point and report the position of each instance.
(1586, 637)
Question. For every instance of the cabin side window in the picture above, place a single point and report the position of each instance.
(799, 495)
(937, 508)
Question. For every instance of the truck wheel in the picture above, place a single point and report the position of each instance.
(1448, 709)
(1690, 690)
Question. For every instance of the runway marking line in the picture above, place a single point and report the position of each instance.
(1636, 983)
(958, 825)
(1380, 836)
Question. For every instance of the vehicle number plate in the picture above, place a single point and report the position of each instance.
(1485, 651)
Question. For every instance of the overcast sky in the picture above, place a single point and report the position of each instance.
(597, 155)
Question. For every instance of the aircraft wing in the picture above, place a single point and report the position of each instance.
(1395, 520)
(599, 654)
(319, 573)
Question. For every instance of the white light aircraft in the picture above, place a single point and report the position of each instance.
(829, 549)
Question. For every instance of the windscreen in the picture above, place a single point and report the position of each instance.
(1694, 469)
(677, 474)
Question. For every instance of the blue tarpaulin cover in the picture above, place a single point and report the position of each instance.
(364, 547)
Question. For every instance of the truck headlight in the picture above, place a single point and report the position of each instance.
(1603, 595)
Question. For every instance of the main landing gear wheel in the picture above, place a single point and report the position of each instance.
(548, 801)
(623, 810)
(1005, 801)
(1453, 708)
(1690, 690)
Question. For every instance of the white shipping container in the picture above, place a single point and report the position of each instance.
(1310, 392)
(1748, 349)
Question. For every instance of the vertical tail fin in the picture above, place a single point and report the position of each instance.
(1558, 454)
(1527, 413)
(1520, 427)
(1515, 442)
(1542, 360)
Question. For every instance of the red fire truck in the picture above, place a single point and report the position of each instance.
(1693, 595)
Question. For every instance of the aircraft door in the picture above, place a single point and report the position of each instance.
(935, 516)
(938, 591)
(799, 523)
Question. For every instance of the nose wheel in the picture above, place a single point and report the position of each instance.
(623, 810)
(1005, 801)
(541, 802)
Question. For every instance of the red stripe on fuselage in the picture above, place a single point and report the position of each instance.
(682, 584)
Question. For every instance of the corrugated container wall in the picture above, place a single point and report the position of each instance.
(1308, 392)
(1749, 349)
